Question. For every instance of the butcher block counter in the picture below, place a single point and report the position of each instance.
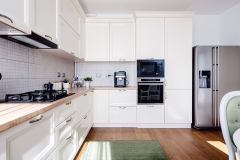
(12, 114)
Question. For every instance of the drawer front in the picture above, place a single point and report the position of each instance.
(83, 127)
(122, 114)
(66, 126)
(65, 110)
(150, 114)
(122, 98)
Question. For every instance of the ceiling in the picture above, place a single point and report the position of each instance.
(127, 7)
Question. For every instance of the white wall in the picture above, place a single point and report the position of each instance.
(205, 30)
(229, 24)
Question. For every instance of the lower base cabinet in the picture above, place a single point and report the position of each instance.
(122, 114)
(150, 114)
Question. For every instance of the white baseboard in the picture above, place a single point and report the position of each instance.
(163, 125)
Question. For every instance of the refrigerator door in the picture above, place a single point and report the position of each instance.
(202, 68)
(228, 72)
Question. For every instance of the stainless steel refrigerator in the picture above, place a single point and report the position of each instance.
(216, 71)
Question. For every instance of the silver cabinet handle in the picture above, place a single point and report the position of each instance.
(165, 95)
(85, 117)
(150, 58)
(72, 53)
(36, 120)
(122, 107)
(91, 91)
(85, 94)
(70, 118)
(150, 106)
(122, 59)
(68, 137)
(6, 17)
(48, 36)
(165, 82)
(122, 90)
(68, 103)
(83, 59)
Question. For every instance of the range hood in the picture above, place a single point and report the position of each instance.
(30, 39)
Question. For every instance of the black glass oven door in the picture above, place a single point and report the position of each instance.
(150, 93)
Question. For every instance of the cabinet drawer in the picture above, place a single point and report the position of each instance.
(65, 127)
(65, 110)
(150, 114)
(83, 105)
(122, 115)
(122, 98)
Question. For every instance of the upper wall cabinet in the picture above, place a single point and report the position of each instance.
(44, 18)
(122, 41)
(178, 53)
(70, 14)
(97, 41)
(15, 13)
(120, 46)
(150, 38)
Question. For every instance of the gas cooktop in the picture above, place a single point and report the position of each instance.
(37, 96)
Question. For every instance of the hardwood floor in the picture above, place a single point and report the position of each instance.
(180, 144)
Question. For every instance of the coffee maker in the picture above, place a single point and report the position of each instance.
(120, 79)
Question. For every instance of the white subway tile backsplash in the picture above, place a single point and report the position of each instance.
(25, 69)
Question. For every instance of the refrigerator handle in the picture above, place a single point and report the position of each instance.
(214, 85)
(217, 87)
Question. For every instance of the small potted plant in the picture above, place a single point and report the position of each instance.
(87, 81)
(65, 83)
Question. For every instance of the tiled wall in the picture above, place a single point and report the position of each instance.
(90, 69)
(25, 69)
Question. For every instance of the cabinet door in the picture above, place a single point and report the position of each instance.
(122, 114)
(122, 98)
(97, 41)
(44, 18)
(100, 106)
(83, 105)
(35, 140)
(17, 11)
(150, 38)
(178, 106)
(69, 40)
(122, 41)
(178, 53)
(70, 14)
(150, 114)
(83, 127)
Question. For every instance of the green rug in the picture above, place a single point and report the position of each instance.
(124, 150)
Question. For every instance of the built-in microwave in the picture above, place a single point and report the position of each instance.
(150, 68)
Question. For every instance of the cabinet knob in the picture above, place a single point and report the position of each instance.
(85, 117)
(70, 118)
(68, 103)
(69, 137)
(85, 94)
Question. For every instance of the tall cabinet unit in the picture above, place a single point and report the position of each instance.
(178, 69)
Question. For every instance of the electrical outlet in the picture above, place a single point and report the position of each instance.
(63, 75)
(98, 75)
(58, 74)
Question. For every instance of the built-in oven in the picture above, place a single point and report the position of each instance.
(150, 68)
(150, 91)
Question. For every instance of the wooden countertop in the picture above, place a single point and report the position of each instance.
(12, 114)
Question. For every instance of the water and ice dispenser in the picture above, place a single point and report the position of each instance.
(204, 79)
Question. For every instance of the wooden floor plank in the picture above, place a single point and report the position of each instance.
(178, 144)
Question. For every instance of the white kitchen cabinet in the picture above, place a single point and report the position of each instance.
(97, 41)
(178, 106)
(83, 128)
(69, 40)
(70, 14)
(67, 149)
(150, 114)
(17, 11)
(150, 38)
(100, 106)
(44, 18)
(83, 105)
(122, 41)
(178, 53)
(32, 139)
(122, 114)
(122, 98)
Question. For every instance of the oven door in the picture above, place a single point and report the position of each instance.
(150, 68)
(150, 93)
